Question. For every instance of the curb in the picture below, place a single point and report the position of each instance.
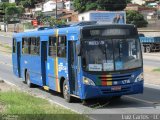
(49, 100)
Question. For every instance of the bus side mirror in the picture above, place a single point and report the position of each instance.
(78, 50)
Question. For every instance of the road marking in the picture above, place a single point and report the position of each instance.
(141, 100)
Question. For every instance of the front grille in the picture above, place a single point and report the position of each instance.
(111, 80)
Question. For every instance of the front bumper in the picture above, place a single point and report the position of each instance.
(105, 91)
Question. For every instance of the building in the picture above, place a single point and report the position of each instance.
(69, 5)
(139, 2)
(51, 5)
(148, 12)
(61, 9)
(38, 7)
(69, 16)
(106, 17)
(12, 1)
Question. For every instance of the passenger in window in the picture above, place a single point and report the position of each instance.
(62, 51)
(25, 47)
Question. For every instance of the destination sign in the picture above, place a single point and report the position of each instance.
(108, 32)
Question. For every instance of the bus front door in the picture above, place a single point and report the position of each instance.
(19, 58)
(72, 62)
(43, 61)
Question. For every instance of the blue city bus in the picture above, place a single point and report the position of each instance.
(81, 60)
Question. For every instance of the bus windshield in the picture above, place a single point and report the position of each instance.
(111, 54)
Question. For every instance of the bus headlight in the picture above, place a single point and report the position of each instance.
(139, 78)
(88, 81)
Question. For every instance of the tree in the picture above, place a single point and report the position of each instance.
(27, 3)
(6, 4)
(134, 17)
(12, 13)
(112, 5)
(51, 21)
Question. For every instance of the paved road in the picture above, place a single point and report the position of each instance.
(153, 63)
(6, 40)
(148, 103)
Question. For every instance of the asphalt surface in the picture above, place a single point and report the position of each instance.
(6, 40)
(146, 103)
(153, 63)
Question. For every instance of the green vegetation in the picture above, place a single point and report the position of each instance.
(28, 25)
(28, 107)
(48, 20)
(134, 17)
(112, 5)
(51, 21)
(11, 11)
(156, 70)
(27, 3)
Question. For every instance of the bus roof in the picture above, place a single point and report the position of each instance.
(69, 29)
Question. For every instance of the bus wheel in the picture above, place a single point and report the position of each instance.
(148, 49)
(28, 81)
(66, 93)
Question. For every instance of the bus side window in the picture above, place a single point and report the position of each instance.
(52, 46)
(14, 45)
(25, 46)
(33, 48)
(38, 45)
(61, 48)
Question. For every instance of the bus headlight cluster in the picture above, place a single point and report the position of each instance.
(139, 78)
(88, 81)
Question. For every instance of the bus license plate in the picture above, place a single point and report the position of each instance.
(116, 88)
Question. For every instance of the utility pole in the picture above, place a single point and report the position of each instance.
(56, 11)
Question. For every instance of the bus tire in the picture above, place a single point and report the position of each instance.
(66, 93)
(28, 81)
(148, 49)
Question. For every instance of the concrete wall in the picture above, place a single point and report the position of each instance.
(18, 28)
(12, 28)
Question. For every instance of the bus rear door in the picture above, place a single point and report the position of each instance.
(19, 58)
(72, 62)
(16, 57)
(44, 44)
